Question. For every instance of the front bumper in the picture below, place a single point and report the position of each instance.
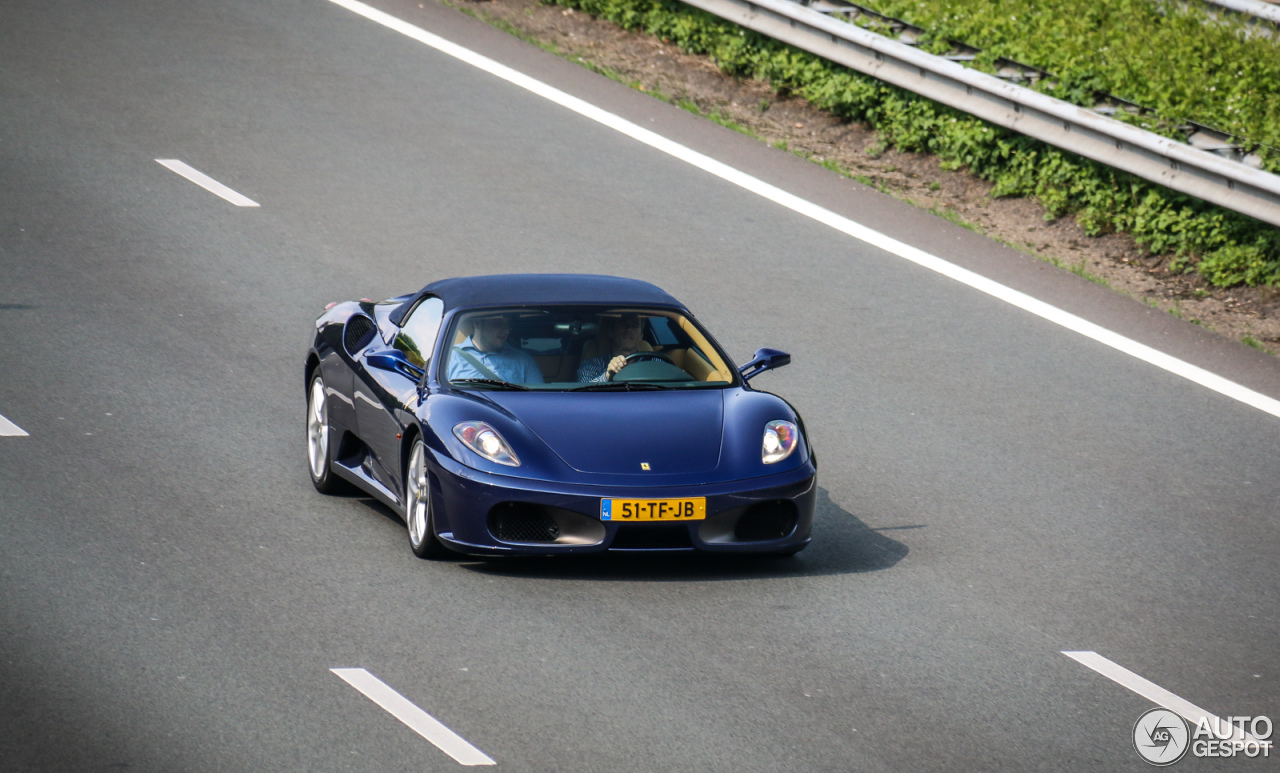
(468, 501)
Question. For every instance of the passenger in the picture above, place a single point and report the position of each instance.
(486, 354)
(624, 335)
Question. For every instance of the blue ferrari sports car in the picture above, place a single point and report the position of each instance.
(538, 414)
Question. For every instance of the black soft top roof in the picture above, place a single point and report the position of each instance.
(539, 289)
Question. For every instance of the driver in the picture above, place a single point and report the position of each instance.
(624, 335)
(486, 354)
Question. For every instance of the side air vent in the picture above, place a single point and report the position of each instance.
(357, 334)
(522, 522)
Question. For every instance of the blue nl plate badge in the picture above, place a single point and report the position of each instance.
(606, 509)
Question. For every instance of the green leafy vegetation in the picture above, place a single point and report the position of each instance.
(1182, 60)
(1225, 247)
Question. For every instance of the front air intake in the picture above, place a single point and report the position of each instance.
(766, 521)
(522, 522)
(358, 334)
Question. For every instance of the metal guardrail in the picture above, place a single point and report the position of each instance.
(1180, 167)
(1194, 133)
(1255, 8)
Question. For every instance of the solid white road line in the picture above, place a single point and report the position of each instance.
(9, 429)
(1152, 692)
(420, 721)
(838, 222)
(207, 182)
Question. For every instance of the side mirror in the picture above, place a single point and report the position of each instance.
(394, 359)
(764, 359)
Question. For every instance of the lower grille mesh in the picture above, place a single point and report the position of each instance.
(521, 522)
(766, 521)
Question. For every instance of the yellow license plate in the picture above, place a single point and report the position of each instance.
(631, 510)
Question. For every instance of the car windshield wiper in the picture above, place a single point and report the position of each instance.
(619, 386)
(490, 382)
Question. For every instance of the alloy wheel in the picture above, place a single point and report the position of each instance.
(317, 431)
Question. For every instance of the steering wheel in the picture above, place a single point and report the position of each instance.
(647, 357)
(650, 366)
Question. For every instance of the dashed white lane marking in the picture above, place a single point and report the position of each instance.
(420, 721)
(843, 224)
(1152, 691)
(207, 182)
(9, 429)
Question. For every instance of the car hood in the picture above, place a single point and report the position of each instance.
(617, 433)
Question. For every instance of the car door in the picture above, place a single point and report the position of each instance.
(386, 390)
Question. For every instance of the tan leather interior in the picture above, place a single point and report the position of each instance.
(691, 363)
(704, 371)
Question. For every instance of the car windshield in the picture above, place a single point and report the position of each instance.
(582, 348)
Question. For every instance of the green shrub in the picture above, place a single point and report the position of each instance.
(1228, 248)
(1173, 57)
(1245, 264)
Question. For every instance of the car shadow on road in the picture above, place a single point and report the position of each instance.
(842, 544)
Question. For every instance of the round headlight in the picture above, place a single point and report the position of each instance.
(780, 439)
(486, 442)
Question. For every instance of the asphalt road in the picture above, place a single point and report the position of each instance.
(173, 593)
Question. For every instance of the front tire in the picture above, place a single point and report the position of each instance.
(319, 440)
(417, 506)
